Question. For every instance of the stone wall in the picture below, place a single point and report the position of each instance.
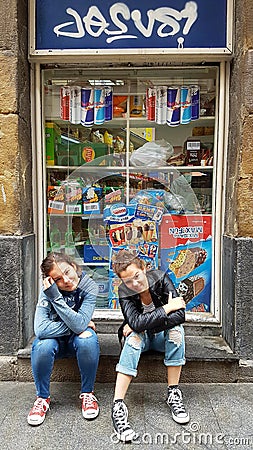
(239, 198)
(16, 225)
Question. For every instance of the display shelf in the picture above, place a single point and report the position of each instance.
(130, 168)
(133, 121)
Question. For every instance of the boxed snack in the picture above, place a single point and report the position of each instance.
(91, 199)
(56, 199)
(53, 139)
(92, 150)
(193, 153)
(73, 198)
(112, 195)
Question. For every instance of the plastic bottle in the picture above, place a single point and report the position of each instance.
(55, 239)
(69, 242)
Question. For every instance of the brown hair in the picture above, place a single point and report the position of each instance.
(123, 259)
(54, 258)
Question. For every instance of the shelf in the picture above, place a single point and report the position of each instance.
(139, 122)
(132, 168)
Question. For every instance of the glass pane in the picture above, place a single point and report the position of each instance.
(130, 136)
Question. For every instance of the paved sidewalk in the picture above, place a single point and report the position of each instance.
(221, 418)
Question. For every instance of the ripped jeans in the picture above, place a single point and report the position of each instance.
(45, 351)
(170, 342)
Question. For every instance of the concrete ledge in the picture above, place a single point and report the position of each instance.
(209, 359)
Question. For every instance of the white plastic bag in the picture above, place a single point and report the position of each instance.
(153, 154)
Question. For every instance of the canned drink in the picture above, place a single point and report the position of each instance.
(161, 105)
(186, 105)
(195, 102)
(87, 107)
(108, 103)
(99, 106)
(75, 104)
(150, 103)
(65, 102)
(173, 106)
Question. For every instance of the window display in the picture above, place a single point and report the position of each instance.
(129, 137)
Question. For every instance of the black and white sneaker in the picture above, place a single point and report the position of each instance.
(175, 402)
(121, 426)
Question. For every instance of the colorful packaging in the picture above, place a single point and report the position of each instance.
(186, 105)
(136, 105)
(151, 103)
(186, 254)
(87, 107)
(161, 105)
(56, 200)
(173, 106)
(195, 102)
(91, 199)
(73, 198)
(99, 106)
(108, 103)
(75, 104)
(53, 140)
(65, 102)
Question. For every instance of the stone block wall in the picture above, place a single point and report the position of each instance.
(16, 219)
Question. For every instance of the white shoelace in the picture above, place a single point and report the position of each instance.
(40, 404)
(88, 400)
(175, 399)
(120, 415)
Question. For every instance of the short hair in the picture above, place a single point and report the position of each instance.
(125, 258)
(54, 258)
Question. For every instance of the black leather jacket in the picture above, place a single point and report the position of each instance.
(159, 287)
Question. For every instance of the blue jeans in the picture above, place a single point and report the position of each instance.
(170, 342)
(45, 351)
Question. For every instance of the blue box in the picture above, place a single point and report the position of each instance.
(96, 253)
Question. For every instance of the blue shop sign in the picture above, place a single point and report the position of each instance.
(130, 26)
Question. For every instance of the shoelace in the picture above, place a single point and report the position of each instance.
(120, 416)
(175, 398)
(88, 400)
(40, 404)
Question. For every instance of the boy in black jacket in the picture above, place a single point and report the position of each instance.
(153, 317)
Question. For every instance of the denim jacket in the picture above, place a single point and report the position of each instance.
(60, 313)
(160, 285)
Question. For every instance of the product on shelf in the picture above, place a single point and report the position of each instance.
(65, 102)
(56, 200)
(75, 105)
(186, 105)
(53, 140)
(195, 95)
(136, 106)
(91, 199)
(99, 106)
(161, 105)
(108, 103)
(119, 105)
(73, 197)
(173, 106)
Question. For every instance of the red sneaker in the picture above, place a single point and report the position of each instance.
(90, 408)
(38, 412)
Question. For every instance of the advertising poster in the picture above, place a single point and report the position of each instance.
(133, 227)
(186, 255)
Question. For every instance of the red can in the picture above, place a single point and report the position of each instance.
(65, 102)
(151, 103)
